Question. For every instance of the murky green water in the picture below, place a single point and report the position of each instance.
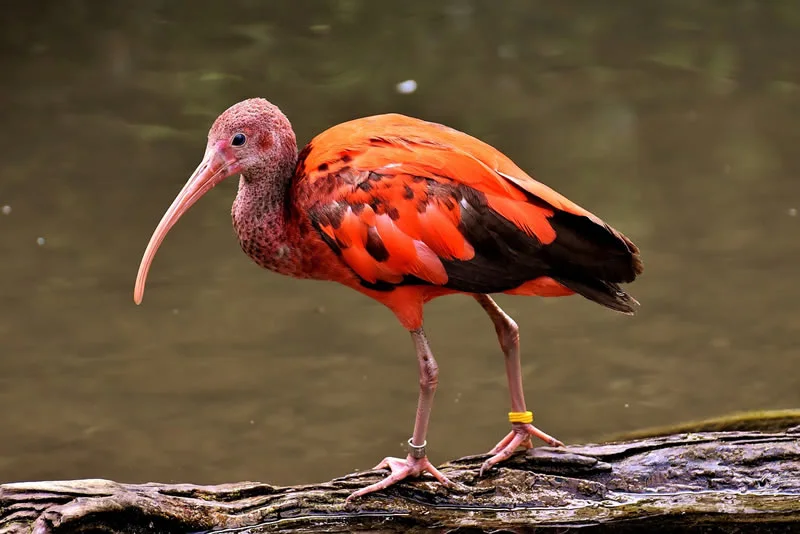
(678, 122)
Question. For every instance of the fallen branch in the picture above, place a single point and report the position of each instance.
(727, 481)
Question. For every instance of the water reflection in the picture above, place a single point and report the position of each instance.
(677, 124)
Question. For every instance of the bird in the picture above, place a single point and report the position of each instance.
(404, 211)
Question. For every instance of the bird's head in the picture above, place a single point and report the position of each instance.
(253, 138)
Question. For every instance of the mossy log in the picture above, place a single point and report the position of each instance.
(708, 481)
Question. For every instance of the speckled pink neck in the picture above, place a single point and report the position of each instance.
(262, 208)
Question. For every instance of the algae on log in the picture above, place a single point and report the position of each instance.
(711, 481)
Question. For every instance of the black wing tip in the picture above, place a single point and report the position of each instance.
(636, 266)
(637, 263)
(607, 294)
(619, 301)
(626, 305)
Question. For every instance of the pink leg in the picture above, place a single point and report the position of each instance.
(520, 435)
(416, 462)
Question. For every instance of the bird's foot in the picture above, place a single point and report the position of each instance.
(520, 436)
(400, 469)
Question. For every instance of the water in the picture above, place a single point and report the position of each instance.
(677, 124)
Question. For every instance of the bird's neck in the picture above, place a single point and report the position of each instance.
(262, 216)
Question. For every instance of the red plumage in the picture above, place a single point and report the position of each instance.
(404, 211)
(388, 194)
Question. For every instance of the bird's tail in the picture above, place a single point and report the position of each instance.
(608, 294)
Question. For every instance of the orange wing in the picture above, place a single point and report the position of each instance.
(386, 227)
(430, 147)
(406, 201)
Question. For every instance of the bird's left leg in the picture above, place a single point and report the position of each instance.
(522, 429)
(416, 463)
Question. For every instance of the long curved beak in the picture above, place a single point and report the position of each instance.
(211, 171)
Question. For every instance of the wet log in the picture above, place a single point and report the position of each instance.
(740, 481)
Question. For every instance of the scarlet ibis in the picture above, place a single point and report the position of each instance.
(404, 211)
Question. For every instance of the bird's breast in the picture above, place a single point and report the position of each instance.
(288, 247)
(264, 249)
(262, 235)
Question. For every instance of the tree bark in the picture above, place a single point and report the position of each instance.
(709, 481)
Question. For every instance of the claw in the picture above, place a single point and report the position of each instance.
(520, 436)
(401, 469)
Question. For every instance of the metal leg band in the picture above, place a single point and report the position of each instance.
(416, 451)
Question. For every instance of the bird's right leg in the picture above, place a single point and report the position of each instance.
(416, 463)
(522, 429)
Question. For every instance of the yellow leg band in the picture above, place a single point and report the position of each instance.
(520, 417)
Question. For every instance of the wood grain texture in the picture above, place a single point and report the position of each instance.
(708, 481)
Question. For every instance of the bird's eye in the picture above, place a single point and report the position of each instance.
(238, 139)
